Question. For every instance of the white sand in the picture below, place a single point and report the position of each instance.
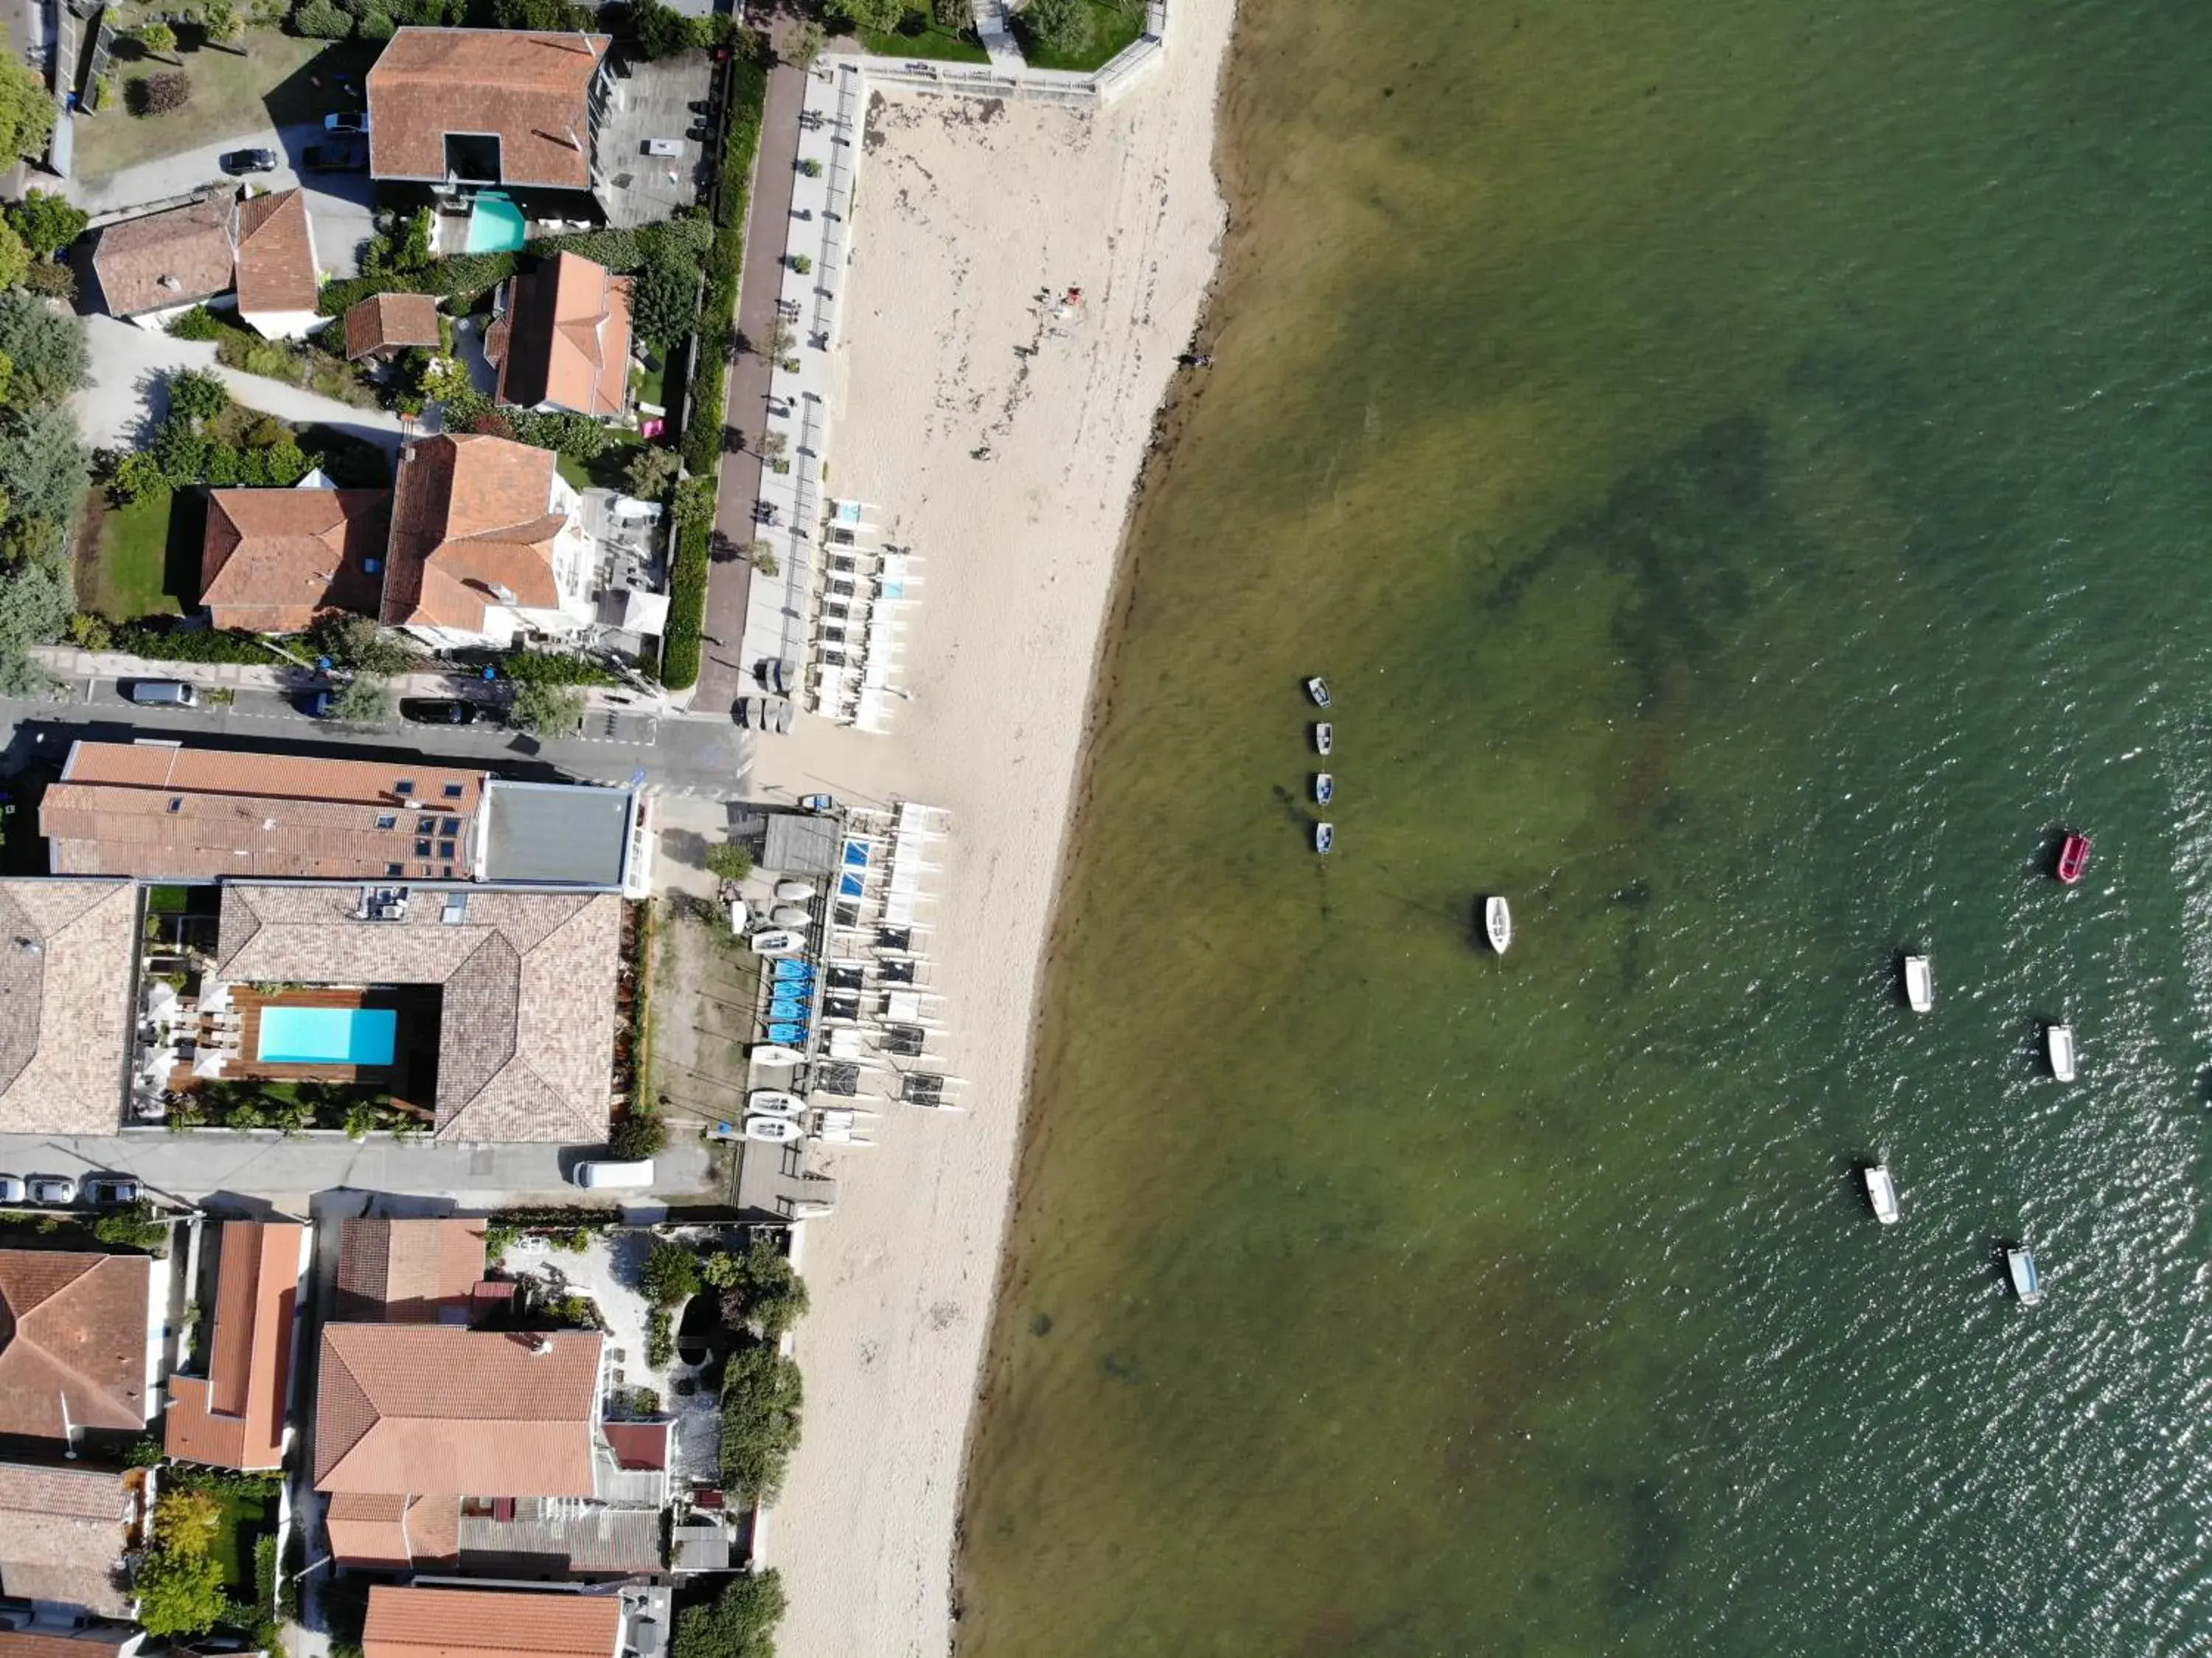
(962, 220)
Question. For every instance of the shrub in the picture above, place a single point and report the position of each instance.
(198, 394)
(640, 1135)
(375, 25)
(1061, 26)
(738, 1623)
(804, 266)
(651, 471)
(134, 475)
(365, 700)
(552, 667)
(762, 1291)
(134, 1228)
(730, 861)
(619, 250)
(357, 643)
(155, 39)
(954, 15)
(671, 1276)
(199, 323)
(155, 643)
(545, 710)
(321, 20)
(687, 611)
(47, 224)
(51, 282)
(158, 94)
(664, 302)
(179, 1594)
(186, 1522)
(810, 168)
(660, 1338)
(553, 16)
(761, 1400)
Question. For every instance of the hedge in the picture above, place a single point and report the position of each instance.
(201, 645)
(462, 277)
(560, 667)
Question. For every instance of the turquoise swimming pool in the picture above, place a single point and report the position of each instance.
(496, 225)
(327, 1036)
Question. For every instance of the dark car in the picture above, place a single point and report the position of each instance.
(250, 160)
(438, 710)
(316, 705)
(333, 158)
(109, 1191)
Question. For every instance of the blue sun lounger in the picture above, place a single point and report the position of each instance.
(786, 1035)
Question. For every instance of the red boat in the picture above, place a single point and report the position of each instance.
(2072, 858)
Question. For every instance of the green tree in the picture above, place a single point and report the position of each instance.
(806, 44)
(665, 301)
(1065, 26)
(179, 1594)
(365, 700)
(761, 1290)
(43, 468)
(15, 258)
(357, 643)
(761, 1400)
(651, 471)
(375, 24)
(47, 224)
(640, 1135)
(157, 40)
(27, 109)
(224, 25)
(134, 1228)
(46, 348)
(198, 394)
(738, 1623)
(134, 475)
(186, 1521)
(671, 1276)
(544, 709)
(661, 30)
(553, 16)
(35, 603)
(321, 20)
(730, 861)
(878, 15)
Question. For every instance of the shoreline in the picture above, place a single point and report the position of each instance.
(1009, 446)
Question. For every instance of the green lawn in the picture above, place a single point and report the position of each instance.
(274, 80)
(131, 559)
(1112, 27)
(246, 1516)
(927, 41)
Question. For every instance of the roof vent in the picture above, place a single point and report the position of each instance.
(170, 282)
(541, 1345)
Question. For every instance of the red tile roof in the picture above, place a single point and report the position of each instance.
(233, 1416)
(72, 1328)
(384, 320)
(409, 1271)
(427, 1623)
(566, 338)
(531, 90)
(277, 254)
(273, 559)
(472, 515)
(174, 258)
(86, 1643)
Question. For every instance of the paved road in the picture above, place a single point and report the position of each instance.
(196, 1167)
(339, 203)
(124, 399)
(685, 756)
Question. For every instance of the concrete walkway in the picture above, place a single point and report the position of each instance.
(723, 676)
(124, 398)
(992, 24)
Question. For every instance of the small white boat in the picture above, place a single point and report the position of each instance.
(1497, 923)
(1324, 739)
(1881, 1192)
(775, 940)
(774, 1053)
(776, 1131)
(1919, 984)
(1317, 688)
(774, 1102)
(740, 917)
(2058, 1042)
(793, 892)
(2027, 1281)
(1324, 837)
(1324, 787)
(791, 915)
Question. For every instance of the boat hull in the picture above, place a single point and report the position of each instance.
(1497, 923)
(1881, 1192)
(1324, 787)
(773, 1102)
(1324, 737)
(1324, 838)
(2027, 1281)
(773, 1053)
(773, 1131)
(1919, 984)
(1317, 688)
(2058, 1044)
(2073, 859)
(776, 941)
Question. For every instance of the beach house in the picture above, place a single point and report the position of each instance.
(255, 254)
(563, 337)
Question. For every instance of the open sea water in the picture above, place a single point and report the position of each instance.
(1746, 469)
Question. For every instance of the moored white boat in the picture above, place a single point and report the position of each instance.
(1919, 984)
(1324, 738)
(793, 892)
(1497, 923)
(2027, 1281)
(792, 914)
(740, 917)
(1324, 787)
(776, 941)
(1317, 688)
(776, 1131)
(774, 1102)
(1324, 837)
(1881, 1192)
(2058, 1043)
(775, 1053)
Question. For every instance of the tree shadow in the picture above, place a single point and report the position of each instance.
(181, 554)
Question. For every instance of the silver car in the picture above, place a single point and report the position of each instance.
(55, 1189)
(11, 1188)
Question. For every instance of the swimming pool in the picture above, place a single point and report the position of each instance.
(496, 225)
(327, 1036)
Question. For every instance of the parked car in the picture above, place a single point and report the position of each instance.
(333, 158)
(316, 705)
(438, 710)
(174, 692)
(11, 1188)
(594, 1177)
(348, 123)
(55, 1189)
(113, 1189)
(242, 161)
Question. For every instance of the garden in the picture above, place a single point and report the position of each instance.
(213, 1559)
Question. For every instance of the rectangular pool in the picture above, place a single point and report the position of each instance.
(327, 1036)
(496, 225)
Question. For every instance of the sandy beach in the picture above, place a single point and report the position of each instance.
(1003, 447)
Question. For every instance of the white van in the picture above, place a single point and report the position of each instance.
(596, 1177)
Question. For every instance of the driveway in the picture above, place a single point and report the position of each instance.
(339, 203)
(124, 400)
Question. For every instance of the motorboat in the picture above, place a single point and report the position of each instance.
(2027, 1281)
(2072, 858)
(1324, 837)
(1324, 739)
(1324, 787)
(793, 892)
(776, 1131)
(1317, 688)
(776, 941)
(740, 917)
(774, 1102)
(775, 1053)
(1881, 1192)
(2058, 1043)
(1919, 984)
(791, 915)
(1497, 923)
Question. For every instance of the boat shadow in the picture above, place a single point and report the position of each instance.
(2043, 863)
(1849, 1183)
(1898, 955)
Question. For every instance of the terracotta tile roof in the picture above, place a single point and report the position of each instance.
(88, 1642)
(66, 954)
(371, 1528)
(72, 1326)
(63, 1534)
(639, 1444)
(177, 257)
(471, 514)
(276, 267)
(154, 810)
(409, 1271)
(432, 1410)
(567, 338)
(233, 1416)
(525, 1035)
(386, 321)
(273, 559)
(532, 91)
(425, 1622)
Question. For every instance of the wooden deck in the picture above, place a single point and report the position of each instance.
(410, 1078)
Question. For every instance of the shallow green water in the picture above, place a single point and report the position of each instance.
(1747, 473)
